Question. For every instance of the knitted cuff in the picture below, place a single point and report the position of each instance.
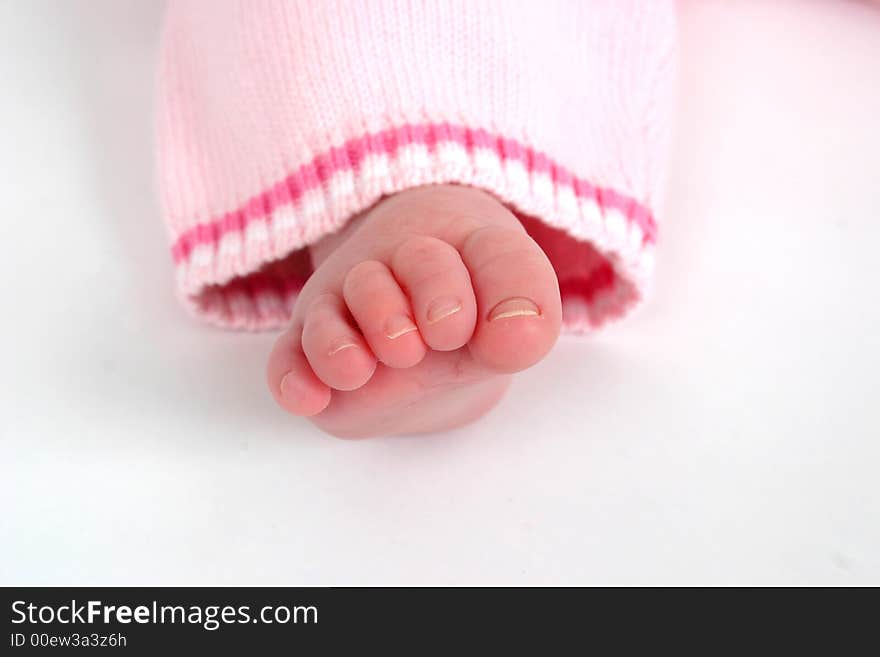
(600, 241)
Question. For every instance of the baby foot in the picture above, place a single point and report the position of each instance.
(416, 315)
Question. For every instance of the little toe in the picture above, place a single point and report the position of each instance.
(383, 314)
(517, 294)
(439, 288)
(291, 380)
(333, 347)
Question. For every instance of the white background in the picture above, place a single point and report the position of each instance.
(728, 433)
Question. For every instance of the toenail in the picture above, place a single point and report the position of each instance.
(443, 307)
(339, 345)
(290, 386)
(399, 325)
(514, 307)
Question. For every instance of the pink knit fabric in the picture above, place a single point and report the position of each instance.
(279, 120)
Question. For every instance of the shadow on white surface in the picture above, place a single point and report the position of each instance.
(170, 365)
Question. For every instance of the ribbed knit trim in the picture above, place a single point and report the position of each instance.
(218, 262)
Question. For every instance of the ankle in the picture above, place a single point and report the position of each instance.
(324, 247)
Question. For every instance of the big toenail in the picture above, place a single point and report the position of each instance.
(338, 345)
(514, 307)
(399, 325)
(443, 307)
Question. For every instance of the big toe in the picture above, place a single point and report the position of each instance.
(519, 308)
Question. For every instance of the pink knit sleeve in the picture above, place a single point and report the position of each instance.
(279, 120)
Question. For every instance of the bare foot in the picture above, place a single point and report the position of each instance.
(416, 316)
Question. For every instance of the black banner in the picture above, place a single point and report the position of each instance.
(322, 620)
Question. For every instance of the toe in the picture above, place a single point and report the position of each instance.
(383, 314)
(334, 348)
(517, 298)
(291, 379)
(439, 288)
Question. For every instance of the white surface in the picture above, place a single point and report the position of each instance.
(729, 433)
